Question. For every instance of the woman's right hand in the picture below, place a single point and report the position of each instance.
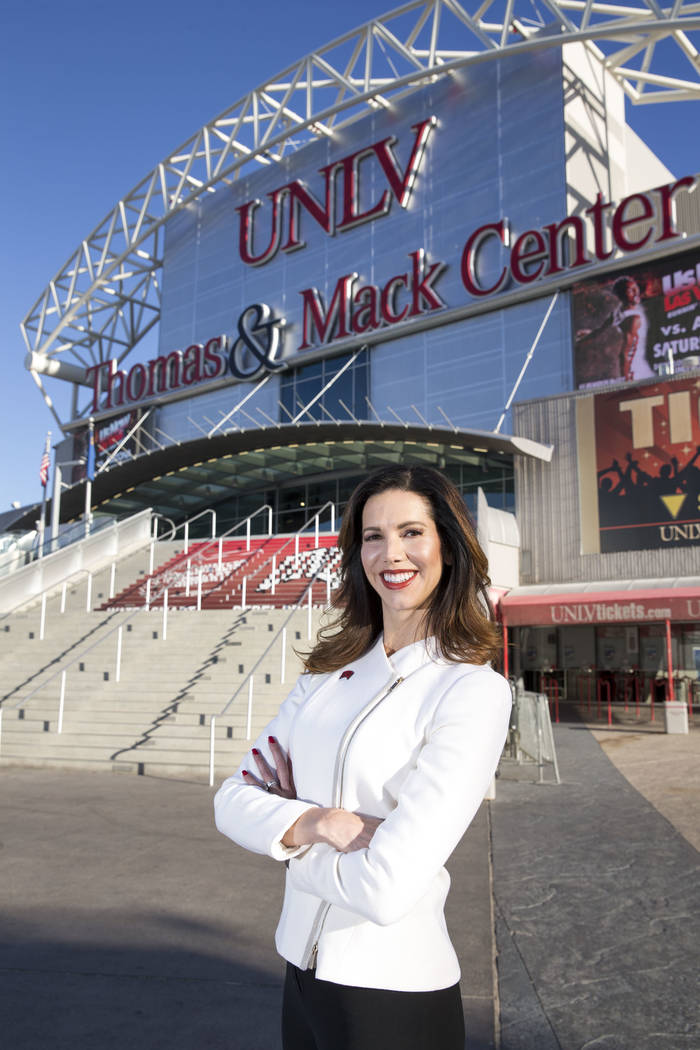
(281, 781)
(339, 828)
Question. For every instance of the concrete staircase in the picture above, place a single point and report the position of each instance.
(156, 719)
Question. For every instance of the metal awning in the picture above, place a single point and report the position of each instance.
(603, 602)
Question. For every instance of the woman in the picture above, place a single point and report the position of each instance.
(394, 733)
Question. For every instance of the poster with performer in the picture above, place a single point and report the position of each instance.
(110, 442)
(647, 456)
(639, 323)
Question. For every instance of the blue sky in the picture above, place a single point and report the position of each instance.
(94, 95)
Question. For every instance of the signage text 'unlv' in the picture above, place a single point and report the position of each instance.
(285, 232)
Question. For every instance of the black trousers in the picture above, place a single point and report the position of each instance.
(319, 1015)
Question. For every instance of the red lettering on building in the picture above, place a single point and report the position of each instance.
(291, 198)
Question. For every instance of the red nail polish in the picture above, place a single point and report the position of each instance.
(255, 751)
(244, 773)
(271, 740)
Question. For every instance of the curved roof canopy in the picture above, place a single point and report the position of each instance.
(181, 479)
(106, 296)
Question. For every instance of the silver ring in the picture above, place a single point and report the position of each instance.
(270, 784)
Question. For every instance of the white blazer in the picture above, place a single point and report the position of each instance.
(413, 739)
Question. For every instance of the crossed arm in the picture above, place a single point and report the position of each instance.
(380, 869)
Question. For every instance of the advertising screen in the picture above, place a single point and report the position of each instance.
(647, 463)
(639, 323)
(110, 443)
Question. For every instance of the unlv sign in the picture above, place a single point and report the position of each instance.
(284, 222)
(384, 277)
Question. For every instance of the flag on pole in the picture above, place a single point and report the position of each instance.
(45, 463)
(90, 465)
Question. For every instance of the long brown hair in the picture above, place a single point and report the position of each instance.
(459, 612)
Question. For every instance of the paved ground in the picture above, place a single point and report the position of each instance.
(127, 920)
(665, 769)
(598, 901)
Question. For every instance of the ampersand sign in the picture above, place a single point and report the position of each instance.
(258, 343)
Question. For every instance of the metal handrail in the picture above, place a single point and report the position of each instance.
(296, 536)
(294, 609)
(37, 551)
(76, 659)
(243, 521)
(155, 593)
(253, 669)
(154, 538)
(207, 510)
(41, 594)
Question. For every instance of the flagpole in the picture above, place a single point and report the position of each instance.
(45, 462)
(89, 474)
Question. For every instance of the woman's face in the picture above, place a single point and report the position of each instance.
(633, 293)
(401, 555)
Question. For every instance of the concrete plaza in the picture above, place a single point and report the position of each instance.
(128, 921)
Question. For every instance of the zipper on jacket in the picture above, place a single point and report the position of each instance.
(337, 800)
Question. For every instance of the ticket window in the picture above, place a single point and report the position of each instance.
(617, 648)
(576, 658)
(689, 650)
(652, 649)
(577, 648)
(538, 648)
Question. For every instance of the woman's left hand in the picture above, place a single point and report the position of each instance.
(278, 782)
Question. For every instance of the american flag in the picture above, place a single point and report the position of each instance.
(44, 468)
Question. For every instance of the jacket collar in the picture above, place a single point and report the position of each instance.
(410, 657)
(403, 662)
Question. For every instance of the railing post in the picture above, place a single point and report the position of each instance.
(63, 597)
(212, 737)
(247, 534)
(61, 702)
(316, 530)
(118, 668)
(308, 615)
(112, 579)
(669, 662)
(243, 592)
(165, 614)
(187, 537)
(88, 597)
(250, 707)
(221, 554)
(213, 525)
(42, 617)
(199, 590)
(148, 594)
(296, 551)
(332, 517)
(187, 578)
(283, 657)
(274, 570)
(269, 521)
(151, 554)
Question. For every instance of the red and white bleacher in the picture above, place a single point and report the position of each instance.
(275, 571)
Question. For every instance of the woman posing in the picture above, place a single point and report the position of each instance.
(372, 770)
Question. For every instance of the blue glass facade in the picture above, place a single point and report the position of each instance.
(497, 150)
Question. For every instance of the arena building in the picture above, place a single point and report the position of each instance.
(434, 241)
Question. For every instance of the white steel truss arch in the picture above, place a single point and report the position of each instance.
(106, 296)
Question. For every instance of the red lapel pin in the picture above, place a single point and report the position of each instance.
(346, 674)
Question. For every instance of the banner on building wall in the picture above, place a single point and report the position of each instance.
(109, 442)
(638, 323)
(639, 461)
